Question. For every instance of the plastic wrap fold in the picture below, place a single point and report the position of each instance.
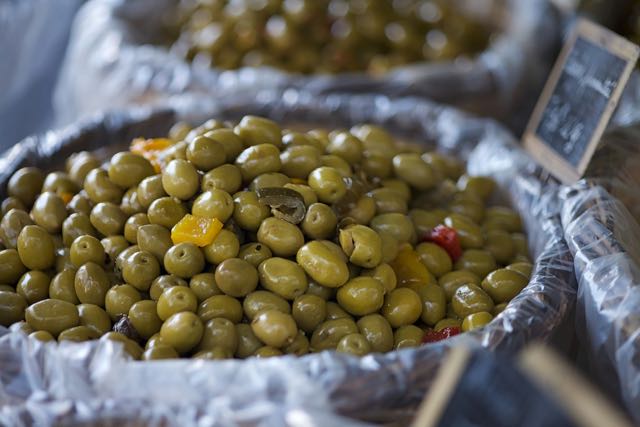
(605, 241)
(93, 383)
(114, 59)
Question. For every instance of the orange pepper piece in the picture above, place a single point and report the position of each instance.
(409, 269)
(194, 229)
(66, 197)
(151, 149)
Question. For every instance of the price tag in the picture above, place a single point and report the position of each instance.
(481, 388)
(578, 100)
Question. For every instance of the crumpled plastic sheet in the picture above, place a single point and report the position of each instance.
(112, 62)
(93, 384)
(605, 241)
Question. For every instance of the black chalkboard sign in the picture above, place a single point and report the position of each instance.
(579, 99)
(480, 388)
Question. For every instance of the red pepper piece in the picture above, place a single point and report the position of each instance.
(447, 238)
(434, 336)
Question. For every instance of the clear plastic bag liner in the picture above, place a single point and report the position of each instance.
(605, 241)
(114, 59)
(92, 382)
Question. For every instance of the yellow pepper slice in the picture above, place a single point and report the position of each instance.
(151, 149)
(194, 229)
(410, 270)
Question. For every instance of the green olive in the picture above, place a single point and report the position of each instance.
(78, 334)
(25, 185)
(144, 318)
(476, 320)
(11, 267)
(226, 178)
(258, 159)
(319, 222)
(11, 225)
(206, 153)
(220, 306)
(274, 328)
(231, 143)
(182, 331)
(338, 163)
(86, 249)
(283, 238)
(309, 311)
(131, 347)
(500, 245)
(361, 296)
(480, 185)
(226, 245)
(384, 274)
(160, 352)
(94, 317)
(267, 351)
(166, 211)
(328, 184)
(321, 291)
(119, 299)
(161, 283)
(271, 179)
(76, 225)
(305, 191)
(33, 286)
(346, 146)
(407, 336)
(219, 333)
(127, 169)
(43, 336)
(204, 286)
(236, 277)
(248, 343)
(282, 277)
(91, 284)
(213, 204)
(402, 306)
(100, 188)
(62, 287)
(180, 179)
(363, 210)
(255, 130)
(469, 299)
(322, 264)
(503, 218)
(154, 239)
(388, 201)
(411, 168)
(150, 189)
(80, 203)
(469, 234)
(434, 304)
(49, 212)
(435, 258)
(80, 164)
(299, 160)
(362, 245)
(355, 344)
(53, 316)
(377, 331)
(184, 260)
(12, 308)
(132, 224)
(248, 212)
(259, 301)
(36, 248)
(477, 261)
(451, 281)
(523, 268)
(503, 285)
(140, 270)
(398, 225)
(424, 221)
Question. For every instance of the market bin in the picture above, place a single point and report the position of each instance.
(94, 383)
(119, 54)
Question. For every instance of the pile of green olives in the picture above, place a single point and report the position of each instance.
(324, 36)
(299, 242)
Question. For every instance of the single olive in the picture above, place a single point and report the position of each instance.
(36, 248)
(274, 328)
(86, 249)
(91, 284)
(62, 287)
(322, 264)
(387, 200)
(283, 277)
(184, 260)
(182, 331)
(213, 204)
(476, 320)
(478, 261)
(259, 301)
(43, 336)
(206, 153)
(160, 352)
(434, 304)
(424, 221)
(411, 168)
(407, 336)
(108, 219)
(402, 306)
(150, 189)
(52, 315)
(377, 332)
(11, 267)
(127, 169)
(78, 334)
(174, 300)
(319, 222)
(161, 283)
(299, 160)
(132, 224)
(25, 185)
(219, 333)
(500, 217)
(220, 306)
(396, 224)
(140, 270)
(76, 225)
(154, 239)
(267, 351)
(144, 318)
(480, 185)
(271, 179)
(166, 211)
(309, 311)
(346, 146)
(204, 286)
(80, 164)
(328, 184)
(248, 212)
(321, 291)
(94, 317)
(283, 238)
(503, 284)
(80, 203)
(100, 188)
(361, 296)
(126, 253)
(33, 286)
(180, 179)
(49, 212)
(469, 233)
(338, 163)
(499, 308)
(248, 343)
(131, 347)
(12, 308)
(236, 277)
(231, 143)
(226, 178)
(362, 245)
(469, 299)
(523, 268)
(355, 344)
(119, 300)
(435, 258)
(258, 159)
